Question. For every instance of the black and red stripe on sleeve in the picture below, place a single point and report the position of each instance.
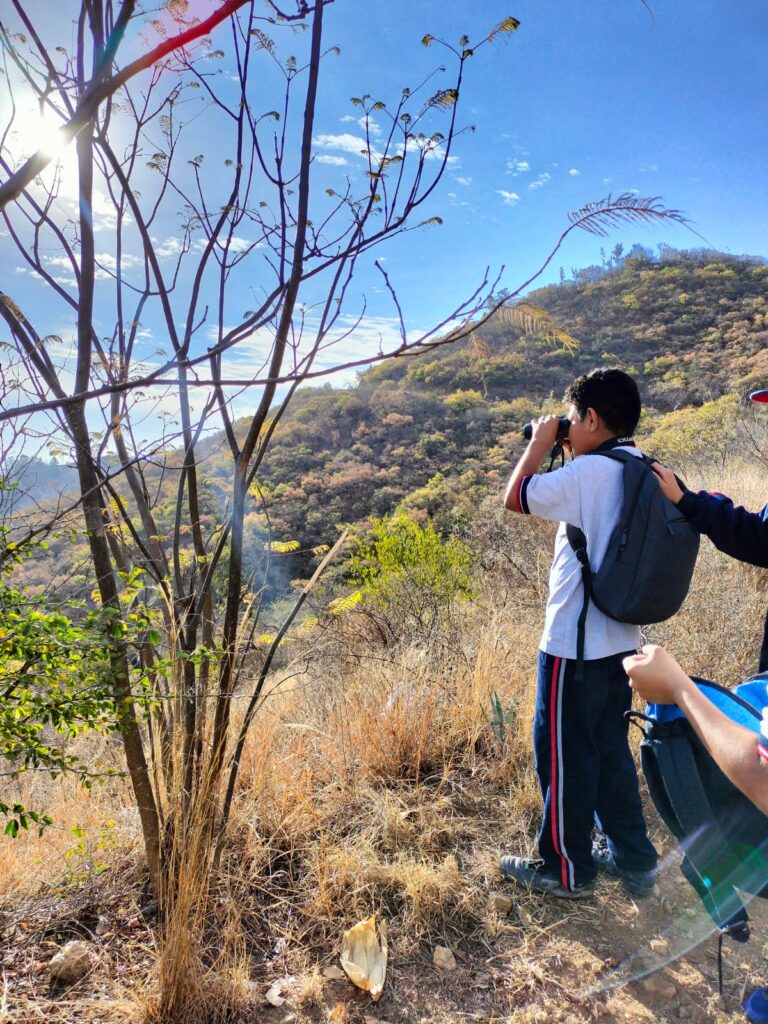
(522, 494)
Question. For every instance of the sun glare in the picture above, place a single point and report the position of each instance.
(48, 138)
(36, 132)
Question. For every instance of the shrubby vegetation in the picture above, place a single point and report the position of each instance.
(393, 759)
(409, 575)
(54, 680)
(433, 434)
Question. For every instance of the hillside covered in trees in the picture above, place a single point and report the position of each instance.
(446, 425)
(437, 432)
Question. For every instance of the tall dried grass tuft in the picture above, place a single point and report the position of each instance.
(376, 779)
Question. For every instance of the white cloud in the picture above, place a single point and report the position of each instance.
(515, 167)
(510, 198)
(58, 261)
(236, 244)
(573, 172)
(170, 247)
(463, 180)
(104, 213)
(105, 269)
(332, 161)
(607, 181)
(541, 180)
(374, 129)
(357, 146)
(345, 142)
(347, 119)
(108, 261)
(349, 342)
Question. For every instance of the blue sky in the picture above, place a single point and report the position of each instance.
(586, 98)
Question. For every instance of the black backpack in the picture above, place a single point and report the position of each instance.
(650, 558)
(723, 835)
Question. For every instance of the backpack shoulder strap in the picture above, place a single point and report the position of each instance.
(578, 542)
(623, 455)
(683, 782)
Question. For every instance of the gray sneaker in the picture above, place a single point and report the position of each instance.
(535, 875)
(637, 883)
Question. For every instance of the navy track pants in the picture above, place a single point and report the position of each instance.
(585, 768)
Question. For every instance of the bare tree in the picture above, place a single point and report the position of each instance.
(257, 217)
(97, 237)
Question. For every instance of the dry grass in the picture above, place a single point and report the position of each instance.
(373, 781)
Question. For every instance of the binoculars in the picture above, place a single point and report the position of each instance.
(562, 430)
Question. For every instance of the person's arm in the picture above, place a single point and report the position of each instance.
(658, 678)
(731, 528)
(542, 439)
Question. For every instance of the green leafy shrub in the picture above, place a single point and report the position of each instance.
(410, 575)
(693, 436)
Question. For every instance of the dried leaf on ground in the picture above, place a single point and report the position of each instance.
(364, 956)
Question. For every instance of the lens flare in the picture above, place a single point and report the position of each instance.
(683, 934)
(50, 139)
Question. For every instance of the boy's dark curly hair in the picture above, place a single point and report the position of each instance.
(612, 394)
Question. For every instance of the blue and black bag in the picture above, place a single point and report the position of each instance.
(723, 835)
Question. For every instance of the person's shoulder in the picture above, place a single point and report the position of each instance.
(600, 463)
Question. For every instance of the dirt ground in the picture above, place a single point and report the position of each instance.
(542, 960)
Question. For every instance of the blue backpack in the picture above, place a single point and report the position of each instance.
(723, 835)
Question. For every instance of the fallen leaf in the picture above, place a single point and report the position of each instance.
(364, 956)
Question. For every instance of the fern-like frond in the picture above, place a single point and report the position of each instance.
(602, 216)
(344, 604)
(263, 40)
(307, 627)
(531, 319)
(443, 99)
(477, 348)
(282, 547)
(507, 25)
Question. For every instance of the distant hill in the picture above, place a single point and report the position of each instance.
(39, 481)
(437, 432)
(443, 427)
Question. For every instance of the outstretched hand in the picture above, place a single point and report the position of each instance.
(655, 675)
(668, 482)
